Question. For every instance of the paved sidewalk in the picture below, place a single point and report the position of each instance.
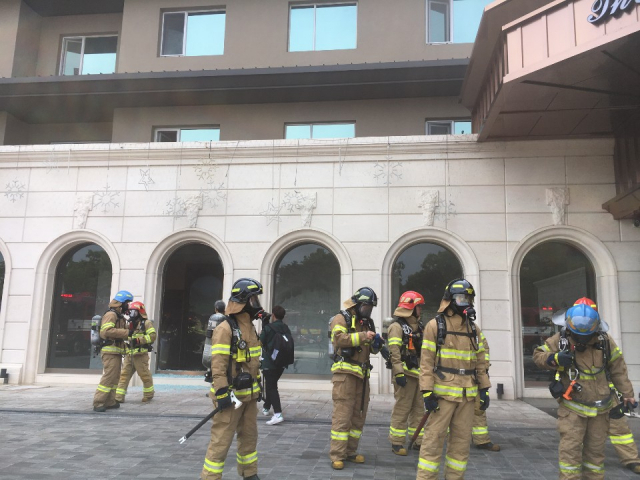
(52, 432)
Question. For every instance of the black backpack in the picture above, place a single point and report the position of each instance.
(282, 352)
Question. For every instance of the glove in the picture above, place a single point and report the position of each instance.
(377, 342)
(563, 359)
(430, 401)
(223, 398)
(401, 380)
(484, 399)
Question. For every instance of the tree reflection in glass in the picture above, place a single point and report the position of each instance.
(307, 285)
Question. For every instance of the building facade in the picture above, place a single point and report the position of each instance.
(170, 147)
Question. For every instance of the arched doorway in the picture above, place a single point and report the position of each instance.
(307, 284)
(553, 275)
(192, 282)
(82, 289)
(426, 268)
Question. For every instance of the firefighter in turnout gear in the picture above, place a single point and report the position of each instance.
(480, 431)
(113, 329)
(235, 367)
(136, 357)
(589, 366)
(354, 339)
(453, 372)
(405, 344)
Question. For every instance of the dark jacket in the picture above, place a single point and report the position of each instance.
(266, 338)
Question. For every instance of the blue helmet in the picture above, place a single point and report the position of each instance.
(583, 320)
(123, 296)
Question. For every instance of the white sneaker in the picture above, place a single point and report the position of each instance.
(265, 412)
(276, 419)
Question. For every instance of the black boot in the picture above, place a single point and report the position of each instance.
(252, 477)
(115, 405)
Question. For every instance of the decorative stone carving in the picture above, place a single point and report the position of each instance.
(557, 200)
(306, 204)
(82, 207)
(428, 201)
(192, 207)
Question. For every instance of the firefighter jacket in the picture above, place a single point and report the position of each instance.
(228, 361)
(459, 352)
(147, 335)
(596, 396)
(350, 337)
(113, 326)
(399, 334)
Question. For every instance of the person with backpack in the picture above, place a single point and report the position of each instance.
(405, 343)
(453, 371)
(277, 354)
(589, 369)
(136, 357)
(353, 336)
(235, 370)
(113, 332)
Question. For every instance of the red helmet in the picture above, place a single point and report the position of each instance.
(139, 306)
(410, 299)
(586, 301)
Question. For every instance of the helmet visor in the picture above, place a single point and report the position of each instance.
(462, 299)
(254, 302)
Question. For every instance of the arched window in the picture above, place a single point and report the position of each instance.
(82, 289)
(426, 268)
(192, 282)
(1, 279)
(307, 285)
(553, 276)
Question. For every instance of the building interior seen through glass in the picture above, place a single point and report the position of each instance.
(425, 268)
(553, 276)
(192, 278)
(307, 285)
(82, 289)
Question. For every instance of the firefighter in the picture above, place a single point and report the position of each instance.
(453, 372)
(588, 365)
(353, 337)
(235, 367)
(405, 344)
(113, 329)
(480, 431)
(619, 432)
(136, 357)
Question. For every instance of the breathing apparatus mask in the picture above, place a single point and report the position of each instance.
(364, 310)
(253, 307)
(125, 308)
(460, 302)
(133, 314)
(581, 341)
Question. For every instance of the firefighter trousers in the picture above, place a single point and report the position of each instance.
(349, 415)
(140, 364)
(581, 451)
(407, 412)
(622, 439)
(458, 418)
(480, 432)
(225, 425)
(105, 395)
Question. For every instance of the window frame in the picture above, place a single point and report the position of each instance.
(449, 4)
(451, 122)
(156, 130)
(184, 31)
(315, 8)
(84, 38)
(311, 124)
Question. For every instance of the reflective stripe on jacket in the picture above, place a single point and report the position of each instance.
(146, 338)
(343, 337)
(396, 348)
(457, 353)
(113, 327)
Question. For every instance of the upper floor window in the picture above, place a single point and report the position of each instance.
(210, 134)
(322, 27)
(448, 127)
(320, 130)
(193, 33)
(88, 55)
(454, 21)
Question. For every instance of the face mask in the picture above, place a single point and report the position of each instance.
(462, 300)
(581, 341)
(364, 310)
(125, 307)
(253, 306)
(133, 314)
